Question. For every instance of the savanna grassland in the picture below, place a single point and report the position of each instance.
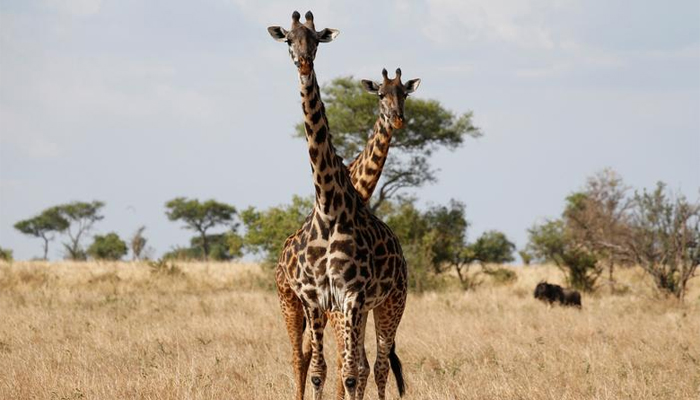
(214, 331)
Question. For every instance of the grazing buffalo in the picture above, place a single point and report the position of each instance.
(555, 293)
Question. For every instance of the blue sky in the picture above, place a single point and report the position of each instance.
(134, 102)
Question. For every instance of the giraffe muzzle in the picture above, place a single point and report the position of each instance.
(305, 66)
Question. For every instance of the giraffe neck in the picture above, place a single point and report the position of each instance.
(366, 169)
(331, 183)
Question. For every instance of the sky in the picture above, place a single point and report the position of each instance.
(136, 102)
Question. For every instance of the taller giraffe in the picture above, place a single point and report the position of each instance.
(365, 171)
(345, 258)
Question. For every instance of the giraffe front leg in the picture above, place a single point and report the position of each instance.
(337, 323)
(317, 370)
(363, 363)
(353, 330)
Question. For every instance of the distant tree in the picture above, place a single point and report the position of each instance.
(138, 243)
(223, 247)
(107, 247)
(552, 242)
(5, 254)
(492, 247)
(449, 224)
(81, 216)
(266, 231)
(352, 112)
(434, 239)
(598, 219)
(525, 256)
(44, 226)
(201, 217)
(665, 238)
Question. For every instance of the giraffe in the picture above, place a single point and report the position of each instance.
(365, 171)
(343, 259)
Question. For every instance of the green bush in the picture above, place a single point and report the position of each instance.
(5, 254)
(107, 247)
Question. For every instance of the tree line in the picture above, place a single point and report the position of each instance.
(604, 226)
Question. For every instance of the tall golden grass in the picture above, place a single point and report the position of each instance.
(208, 331)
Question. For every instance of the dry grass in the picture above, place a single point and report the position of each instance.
(119, 331)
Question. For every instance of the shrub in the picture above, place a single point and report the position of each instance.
(107, 247)
(5, 254)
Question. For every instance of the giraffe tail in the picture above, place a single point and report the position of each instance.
(397, 370)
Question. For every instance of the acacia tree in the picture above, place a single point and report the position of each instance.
(352, 112)
(665, 238)
(598, 218)
(81, 217)
(201, 217)
(43, 226)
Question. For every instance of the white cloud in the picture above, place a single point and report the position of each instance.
(520, 22)
(78, 8)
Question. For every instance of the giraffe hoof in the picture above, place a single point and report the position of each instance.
(350, 383)
(316, 381)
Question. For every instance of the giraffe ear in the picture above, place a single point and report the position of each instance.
(278, 33)
(369, 86)
(327, 35)
(412, 85)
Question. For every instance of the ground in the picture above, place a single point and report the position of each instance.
(214, 331)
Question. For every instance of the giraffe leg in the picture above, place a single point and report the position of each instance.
(353, 327)
(363, 363)
(317, 370)
(386, 320)
(293, 313)
(337, 323)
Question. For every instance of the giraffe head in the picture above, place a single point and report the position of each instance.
(392, 95)
(303, 40)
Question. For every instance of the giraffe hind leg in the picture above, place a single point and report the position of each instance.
(363, 364)
(387, 317)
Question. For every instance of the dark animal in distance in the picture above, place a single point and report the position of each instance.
(554, 293)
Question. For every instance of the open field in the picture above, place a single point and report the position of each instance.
(119, 331)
